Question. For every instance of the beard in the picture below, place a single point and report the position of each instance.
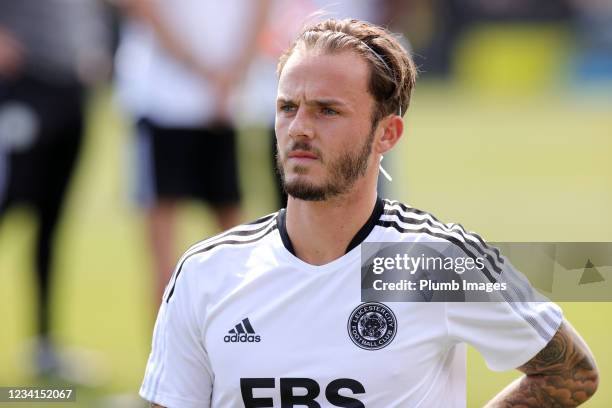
(343, 171)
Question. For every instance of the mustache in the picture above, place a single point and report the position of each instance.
(305, 146)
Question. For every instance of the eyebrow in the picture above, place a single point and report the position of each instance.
(314, 102)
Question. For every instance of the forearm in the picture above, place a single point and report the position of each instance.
(563, 374)
(253, 35)
(545, 391)
(146, 11)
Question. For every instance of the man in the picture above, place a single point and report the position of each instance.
(177, 79)
(258, 316)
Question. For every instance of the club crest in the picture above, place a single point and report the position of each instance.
(372, 326)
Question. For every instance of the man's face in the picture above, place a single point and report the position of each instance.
(323, 124)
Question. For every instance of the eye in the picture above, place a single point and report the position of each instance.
(287, 108)
(329, 112)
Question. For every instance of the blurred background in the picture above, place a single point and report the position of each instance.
(509, 132)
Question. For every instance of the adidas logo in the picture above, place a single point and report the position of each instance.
(242, 333)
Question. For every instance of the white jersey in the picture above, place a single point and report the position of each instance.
(245, 323)
(152, 83)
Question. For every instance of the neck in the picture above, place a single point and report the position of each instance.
(321, 231)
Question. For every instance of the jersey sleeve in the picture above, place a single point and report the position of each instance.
(510, 331)
(178, 372)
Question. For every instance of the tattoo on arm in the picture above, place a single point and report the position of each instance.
(562, 374)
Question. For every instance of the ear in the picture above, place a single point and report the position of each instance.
(390, 130)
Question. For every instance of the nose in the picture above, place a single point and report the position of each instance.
(301, 125)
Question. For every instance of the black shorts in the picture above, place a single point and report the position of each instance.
(183, 163)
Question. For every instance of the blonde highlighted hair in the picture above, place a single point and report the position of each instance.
(392, 70)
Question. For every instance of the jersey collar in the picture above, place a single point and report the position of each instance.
(359, 237)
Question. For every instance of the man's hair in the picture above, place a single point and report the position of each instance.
(392, 70)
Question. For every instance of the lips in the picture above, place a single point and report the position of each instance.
(301, 154)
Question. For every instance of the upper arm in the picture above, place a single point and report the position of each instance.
(566, 350)
(510, 328)
(178, 372)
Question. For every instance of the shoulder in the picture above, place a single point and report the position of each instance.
(407, 223)
(406, 219)
(222, 249)
(236, 238)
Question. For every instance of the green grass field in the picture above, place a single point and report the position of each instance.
(512, 169)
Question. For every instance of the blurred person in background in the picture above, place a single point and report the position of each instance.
(178, 65)
(50, 52)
